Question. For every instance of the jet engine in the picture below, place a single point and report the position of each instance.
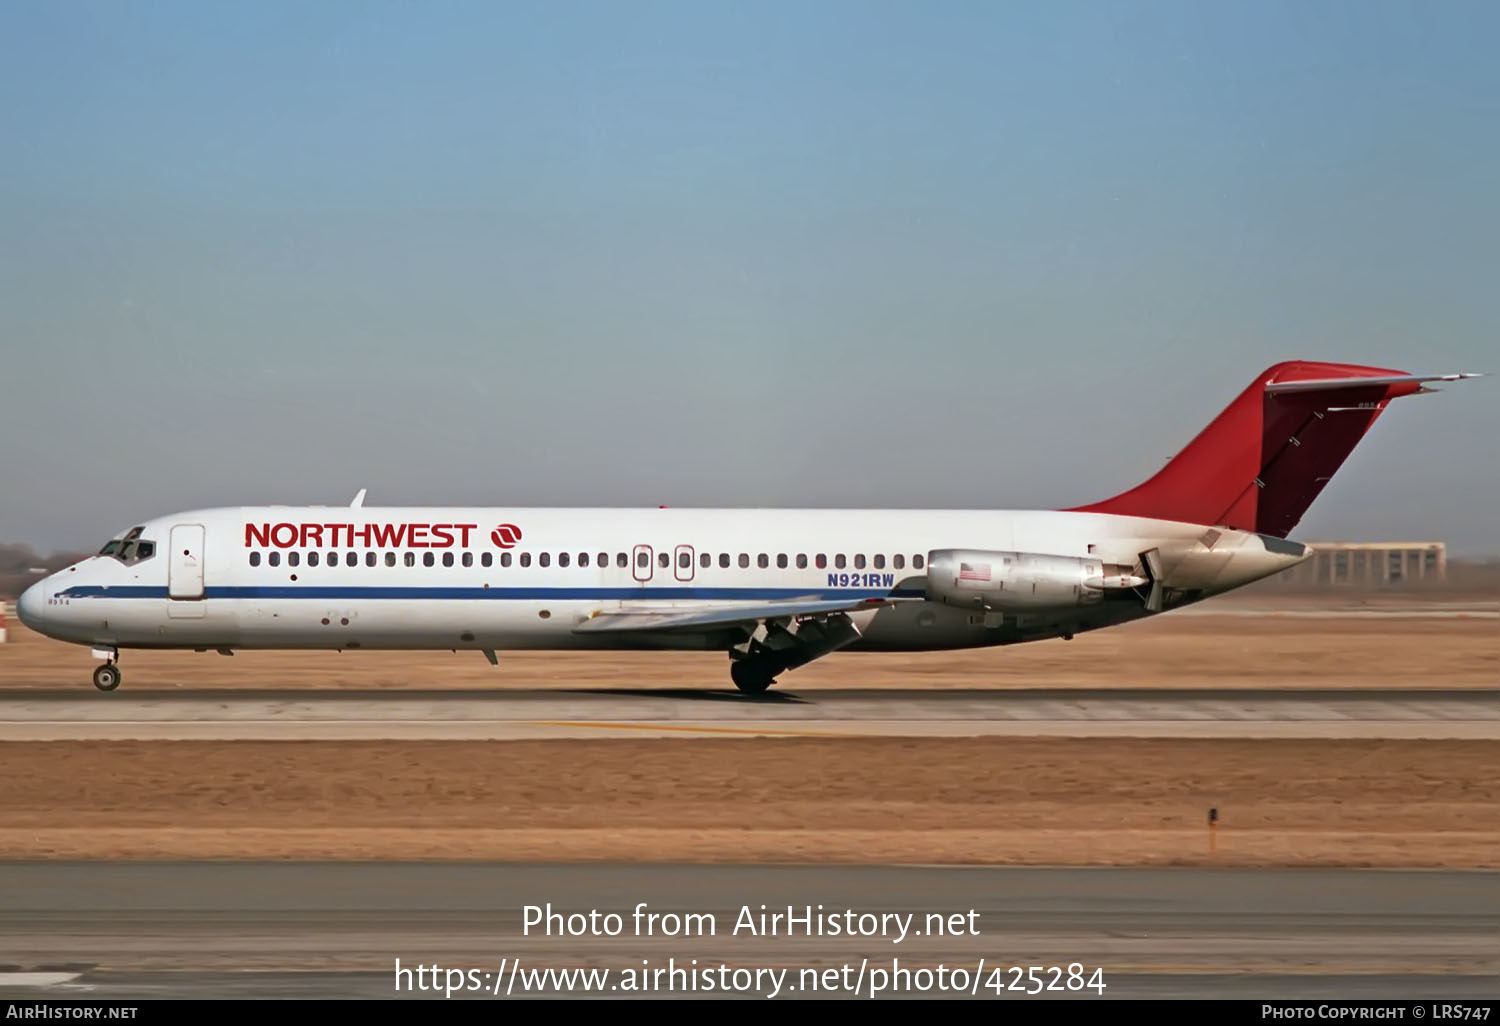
(1020, 581)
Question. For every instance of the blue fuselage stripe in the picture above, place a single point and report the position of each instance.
(512, 594)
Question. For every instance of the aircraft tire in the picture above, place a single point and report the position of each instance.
(748, 679)
(106, 676)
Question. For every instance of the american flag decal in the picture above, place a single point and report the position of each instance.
(973, 571)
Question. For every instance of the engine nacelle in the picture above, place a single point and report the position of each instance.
(1020, 581)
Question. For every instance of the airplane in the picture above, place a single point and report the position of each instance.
(774, 588)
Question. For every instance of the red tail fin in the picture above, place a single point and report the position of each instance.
(1262, 461)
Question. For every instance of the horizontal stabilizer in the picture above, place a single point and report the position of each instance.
(1326, 384)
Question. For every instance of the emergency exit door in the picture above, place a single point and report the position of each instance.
(641, 565)
(682, 562)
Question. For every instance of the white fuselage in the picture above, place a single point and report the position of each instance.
(498, 578)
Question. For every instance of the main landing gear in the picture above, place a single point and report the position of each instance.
(107, 676)
(750, 678)
(781, 645)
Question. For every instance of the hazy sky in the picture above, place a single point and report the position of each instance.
(992, 255)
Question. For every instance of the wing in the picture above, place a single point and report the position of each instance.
(695, 617)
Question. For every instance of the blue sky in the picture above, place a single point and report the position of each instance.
(892, 254)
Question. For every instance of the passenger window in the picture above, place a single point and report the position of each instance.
(684, 560)
(410, 559)
(642, 560)
(488, 559)
(370, 559)
(724, 560)
(428, 559)
(859, 561)
(603, 560)
(293, 558)
(801, 561)
(781, 560)
(274, 559)
(762, 561)
(390, 559)
(563, 559)
(664, 559)
(744, 560)
(898, 562)
(705, 560)
(839, 562)
(255, 559)
(879, 562)
(312, 559)
(622, 560)
(468, 559)
(525, 558)
(916, 562)
(583, 559)
(821, 561)
(544, 559)
(447, 559)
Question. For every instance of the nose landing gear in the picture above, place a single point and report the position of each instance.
(107, 673)
(106, 676)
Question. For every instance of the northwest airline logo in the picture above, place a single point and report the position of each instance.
(377, 536)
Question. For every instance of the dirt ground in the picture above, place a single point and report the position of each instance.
(1336, 648)
(981, 800)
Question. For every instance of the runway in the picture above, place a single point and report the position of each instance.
(660, 713)
(136, 930)
(1468, 610)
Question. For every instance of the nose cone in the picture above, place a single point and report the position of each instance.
(31, 605)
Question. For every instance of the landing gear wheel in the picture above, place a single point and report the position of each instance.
(106, 676)
(748, 679)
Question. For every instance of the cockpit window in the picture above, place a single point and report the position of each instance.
(129, 549)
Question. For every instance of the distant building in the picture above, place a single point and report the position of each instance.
(1373, 564)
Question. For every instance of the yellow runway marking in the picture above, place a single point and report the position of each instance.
(678, 728)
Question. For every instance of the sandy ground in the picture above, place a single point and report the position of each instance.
(1199, 648)
(1119, 802)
